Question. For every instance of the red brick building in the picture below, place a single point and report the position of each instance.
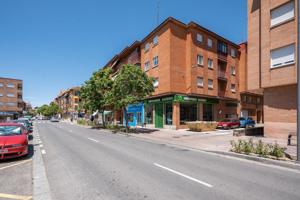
(272, 42)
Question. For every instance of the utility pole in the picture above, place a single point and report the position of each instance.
(298, 86)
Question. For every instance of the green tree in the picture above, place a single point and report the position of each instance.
(95, 92)
(48, 110)
(130, 86)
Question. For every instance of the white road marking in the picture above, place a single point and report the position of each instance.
(183, 175)
(41, 145)
(43, 151)
(20, 163)
(93, 140)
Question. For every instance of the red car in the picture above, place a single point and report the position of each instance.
(229, 123)
(13, 140)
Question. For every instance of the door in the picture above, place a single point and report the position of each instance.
(159, 116)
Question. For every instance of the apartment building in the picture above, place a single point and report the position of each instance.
(272, 42)
(129, 55)
(251, 101)
(68, 102)
(11, 98)
(196, 75)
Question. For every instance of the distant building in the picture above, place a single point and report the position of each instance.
(272, 63)
(68, 102)
(11, 98)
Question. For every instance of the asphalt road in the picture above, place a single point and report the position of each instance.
(89, 164)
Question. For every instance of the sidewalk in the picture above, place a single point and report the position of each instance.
(209, 141)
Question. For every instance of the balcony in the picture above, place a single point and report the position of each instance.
(222, 75)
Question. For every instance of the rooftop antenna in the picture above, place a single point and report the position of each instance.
(157, 15)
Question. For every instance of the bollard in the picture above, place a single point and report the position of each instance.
(289, 139)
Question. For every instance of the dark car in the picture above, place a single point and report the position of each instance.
(229, 123)
(246, 122)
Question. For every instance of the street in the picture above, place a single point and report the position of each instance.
(90, 164)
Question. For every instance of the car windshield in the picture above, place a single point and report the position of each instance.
(10, 130)
(242, 118)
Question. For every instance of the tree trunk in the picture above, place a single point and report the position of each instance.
(126, 120)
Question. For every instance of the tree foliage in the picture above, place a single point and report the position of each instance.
(48, 110)
(94, 92)
(130, 86)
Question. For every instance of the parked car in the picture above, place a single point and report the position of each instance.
(13, 140)
(246, 122)
(25, 123)
(228, 124)
(54, 119)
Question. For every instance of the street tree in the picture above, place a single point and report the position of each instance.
(130, 86)
(94, 92)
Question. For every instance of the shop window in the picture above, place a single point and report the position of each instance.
(168, 114)
(149, 114)
(130, 117)
(139, 118)
(188, 112)
(207, 112)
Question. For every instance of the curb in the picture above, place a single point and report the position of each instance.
(286, 164)
(41, 189)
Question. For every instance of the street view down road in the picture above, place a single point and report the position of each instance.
(89, 164)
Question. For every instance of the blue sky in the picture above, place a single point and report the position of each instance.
(56, 44)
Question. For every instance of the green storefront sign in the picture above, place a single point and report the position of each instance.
(181, 98)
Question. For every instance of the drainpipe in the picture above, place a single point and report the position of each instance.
(298, 86)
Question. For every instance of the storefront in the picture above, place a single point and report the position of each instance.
(174, 111)
(135, 115)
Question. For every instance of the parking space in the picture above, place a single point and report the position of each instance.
(16, 177)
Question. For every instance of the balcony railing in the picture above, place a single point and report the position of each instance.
(222, 75)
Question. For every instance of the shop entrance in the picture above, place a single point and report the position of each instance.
(207, 112)
(159, 115)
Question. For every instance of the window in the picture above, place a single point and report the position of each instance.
(10, 85)
(188, 112)
(222, 48)
(10, 104)
(147, 46)
(1, 104)
(200, 81)
(283, 13)
(244, 98)
(168, 113)
(210, 63)
(1, 95)
(233, 53)
(199, 37)
(149, 114)
(147, 66)
(209, 42)
(210, 84)
(233, 88)
(155, 40)
(155, 82)
(155, 61)
(199, 60)
(1, 84)
(232, 70)
(283, 56)
(258, 100)
(10, 95)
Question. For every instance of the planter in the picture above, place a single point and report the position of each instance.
(201, 126)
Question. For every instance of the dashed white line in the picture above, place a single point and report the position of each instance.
(183, 175)
(43, 151)
(93, 140)
(41, 145)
